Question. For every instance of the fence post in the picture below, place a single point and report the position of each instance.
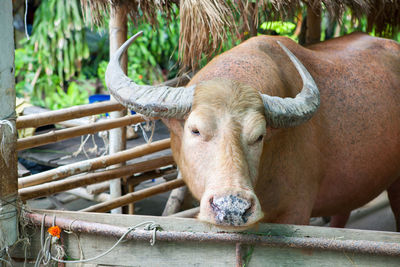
(118, 33)
(8, 135)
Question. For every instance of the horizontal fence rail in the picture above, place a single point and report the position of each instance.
(59, 135)
(92, 164)
(51, 117)
(135, 196)
(317, 243)
(92, 178)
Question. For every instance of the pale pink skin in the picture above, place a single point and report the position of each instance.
(346, 155)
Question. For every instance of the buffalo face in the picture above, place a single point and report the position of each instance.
(221, 146)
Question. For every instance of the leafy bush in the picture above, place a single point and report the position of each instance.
(153, 57)
(53, 56)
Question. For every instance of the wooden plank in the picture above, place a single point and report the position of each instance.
(135, 253)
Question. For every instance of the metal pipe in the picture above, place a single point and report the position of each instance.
(317, 243)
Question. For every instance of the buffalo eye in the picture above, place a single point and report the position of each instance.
(258, 140)
(195, 132)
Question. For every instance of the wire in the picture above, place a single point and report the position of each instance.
(26, 15)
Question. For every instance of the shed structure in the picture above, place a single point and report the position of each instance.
(177, 241)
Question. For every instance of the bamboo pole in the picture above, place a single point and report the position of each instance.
(313, 33)
(55, 136)
(135, 196)
(92, 164)
(51, 117)
(82, 193)
(92, 178)
(118, 32)
(134, 180)
(98, 188)
(8, 133)
(137, 179)
(190, 213)
(175, 201)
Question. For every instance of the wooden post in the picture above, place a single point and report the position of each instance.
(8, 133)
(118, 31)
(313, 33)
(175, 199)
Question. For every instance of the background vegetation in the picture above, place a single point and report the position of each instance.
(65, 59)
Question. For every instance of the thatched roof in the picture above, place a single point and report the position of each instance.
(205, 24)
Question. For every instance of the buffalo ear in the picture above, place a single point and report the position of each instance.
(175, 126)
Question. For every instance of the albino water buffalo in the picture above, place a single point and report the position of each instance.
(260, 134)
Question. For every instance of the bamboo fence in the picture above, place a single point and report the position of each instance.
(72, 177)
(55, 136)
(92, 178)
(92, 164)
(135, 196)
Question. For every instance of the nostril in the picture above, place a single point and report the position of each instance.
(212, 204)
(247, 213)
(231, 209)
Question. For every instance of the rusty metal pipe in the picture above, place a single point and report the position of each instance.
(348, 246)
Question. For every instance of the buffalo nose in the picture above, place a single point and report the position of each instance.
(231, 210)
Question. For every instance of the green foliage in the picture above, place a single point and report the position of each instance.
(153, 57)
(247, 256)
(73, 96)
(53, 56)
(45, 89)
(59, 35)
(280, 27)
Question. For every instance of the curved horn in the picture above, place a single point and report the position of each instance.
(151, 101)
(289, 112)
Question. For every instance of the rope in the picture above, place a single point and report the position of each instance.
(25, 23)
(150, 125)
(104, 136)
(5, 139)
(44, 255)
(5, 261)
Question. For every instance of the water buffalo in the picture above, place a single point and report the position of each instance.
(260, 134)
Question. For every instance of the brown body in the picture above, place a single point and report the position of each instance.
(348, 152)
(277, 132)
